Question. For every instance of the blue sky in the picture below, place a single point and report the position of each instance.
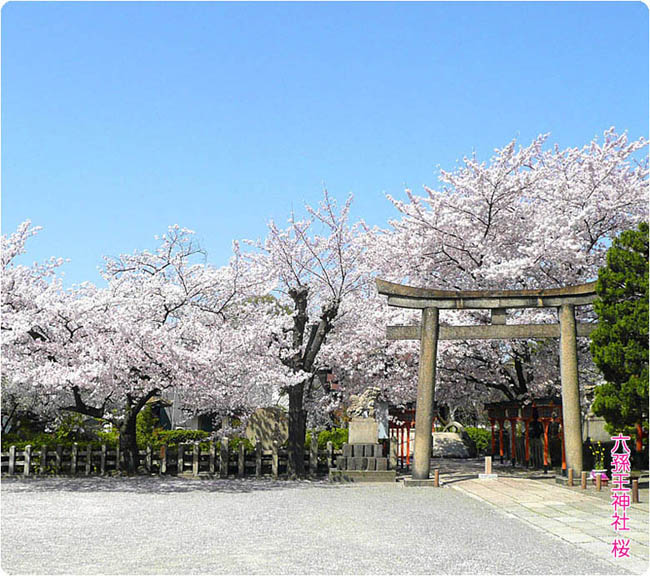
(119, 119)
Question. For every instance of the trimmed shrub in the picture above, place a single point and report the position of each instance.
(234, 443)
(337, 436)
(481, 438)
(176, 437)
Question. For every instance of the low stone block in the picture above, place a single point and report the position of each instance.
(410, 483)
(372, 464)
(381, 464)
(360, 462)
(379, 451)
(362, 476)
(358, 450)
(341, 462)
(347, 450)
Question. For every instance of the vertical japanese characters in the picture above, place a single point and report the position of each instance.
(620, 494)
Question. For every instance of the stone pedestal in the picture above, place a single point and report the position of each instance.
(363, 431)
(362, 463)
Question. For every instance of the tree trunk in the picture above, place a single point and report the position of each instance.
(128, 443)
(8, 421)
(296, 443)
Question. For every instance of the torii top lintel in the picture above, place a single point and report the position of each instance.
(403, 296)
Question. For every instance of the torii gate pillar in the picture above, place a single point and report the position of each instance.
(430, 301)
(571, 423)
(426, 393)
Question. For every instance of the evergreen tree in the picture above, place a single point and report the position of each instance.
(620, 343)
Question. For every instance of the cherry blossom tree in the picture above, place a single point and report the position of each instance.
(304, 299)
(239, 351)
(165, 319)
(177, 322)
(314, 267)
(530, 218)
(27, 291)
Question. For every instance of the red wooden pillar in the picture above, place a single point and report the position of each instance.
(513, 430)
(501, 420)
(639, 438)
(546, 425)
(527, 443)
(560, 434)
(493, 438)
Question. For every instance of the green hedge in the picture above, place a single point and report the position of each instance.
(481, 438)
(38, 440)
(70, 431)
(174, 437)
(171, 438)
(337, 436)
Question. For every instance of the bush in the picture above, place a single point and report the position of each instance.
(38, 440)
(67, 435)
(109, 437)
(337, 436)
(233, 444)
(481, 438)
(69, 429)
(35, 440)
(176, 437)
(145, 424)
(72, 428)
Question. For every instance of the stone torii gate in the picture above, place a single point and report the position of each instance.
(430, 301)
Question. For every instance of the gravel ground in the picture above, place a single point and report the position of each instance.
(181, 526)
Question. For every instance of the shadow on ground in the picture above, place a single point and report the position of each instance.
(145, 485)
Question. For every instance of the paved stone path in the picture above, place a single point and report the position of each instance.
(180, 526)
(582, 519)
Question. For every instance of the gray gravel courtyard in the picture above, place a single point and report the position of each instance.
(182, 526)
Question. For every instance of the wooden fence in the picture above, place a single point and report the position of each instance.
(187, 459)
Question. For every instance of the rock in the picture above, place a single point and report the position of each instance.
(267, 425)
(449, 445)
